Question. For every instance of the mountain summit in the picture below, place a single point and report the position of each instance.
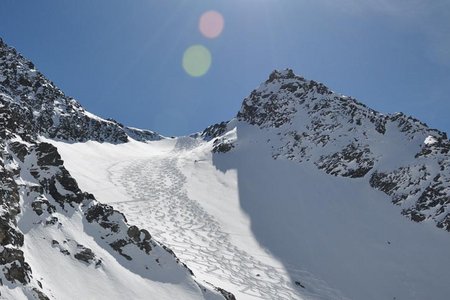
(300, 196)
(396, 154)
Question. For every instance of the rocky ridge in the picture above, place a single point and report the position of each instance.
(49, 112)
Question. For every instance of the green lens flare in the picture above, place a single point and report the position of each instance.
(197, 60)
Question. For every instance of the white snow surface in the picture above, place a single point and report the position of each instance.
(430, 140)
(51, 251)
(264, 228)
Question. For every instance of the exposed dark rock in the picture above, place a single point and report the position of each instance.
(102, 213)
(222, 146)
(134, 233)
(353, 161)
(51, 221)
(65, 251)
(118, 245)
(414, 215)
(59, 184)
(19, 149)
(430, 195)
(85, 255)
(39, 295)
(227, 295)
(383, 183)
(9, 235)
(9, 202)
(214, 131)
(110, 219)
(14, 266)
(445, 223)
(141, 238)
(48, 155)
(41, 205)
(169, 250)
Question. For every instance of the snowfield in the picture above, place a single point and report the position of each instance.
(264, 228)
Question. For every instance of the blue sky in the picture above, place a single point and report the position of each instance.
(123, 59)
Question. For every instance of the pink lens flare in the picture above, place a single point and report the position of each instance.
(211, 24)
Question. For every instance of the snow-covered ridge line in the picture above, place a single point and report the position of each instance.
(275, 101)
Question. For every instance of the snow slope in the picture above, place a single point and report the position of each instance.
(172, 188)
(60, 243)
(256, 226)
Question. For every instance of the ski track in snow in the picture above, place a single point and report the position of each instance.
(160, 204)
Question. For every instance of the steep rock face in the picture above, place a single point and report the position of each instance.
(397, 154)
(14, 268)
(51, 113)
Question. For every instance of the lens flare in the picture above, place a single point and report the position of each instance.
(197, 60)
(211, 24)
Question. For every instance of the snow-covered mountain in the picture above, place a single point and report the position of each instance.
(305, 194)
(397, 154)
(56, 241)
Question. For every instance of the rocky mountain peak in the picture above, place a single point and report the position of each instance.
(396, 153)
(284, 96)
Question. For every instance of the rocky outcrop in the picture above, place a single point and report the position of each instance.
(114, 225)
(222, 145)
(214, 131)
(422, 186)
(353, 161)
(13, 265)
